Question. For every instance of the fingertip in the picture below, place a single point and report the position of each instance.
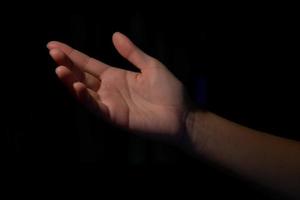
(58, 70)
(122, 44)
(119, 38)
(54, 52)
(57, 55)
(66, 76)
(58, 45)
(48, 45)
(116, 34)
(80, 91)
(61, 71)
(79, 87)
(51, 44)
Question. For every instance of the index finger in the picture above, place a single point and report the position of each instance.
(79, 59)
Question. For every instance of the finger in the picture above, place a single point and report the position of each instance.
(131, 52)
(91, 100)
(62, 59)
(80, 59)
(66, 76)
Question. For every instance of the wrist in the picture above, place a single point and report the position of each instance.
(194, 127)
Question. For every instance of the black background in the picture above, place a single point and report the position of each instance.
(239, 63)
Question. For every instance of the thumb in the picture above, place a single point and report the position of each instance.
(131, 52)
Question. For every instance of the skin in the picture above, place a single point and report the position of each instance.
(153, 102)
(128, 99)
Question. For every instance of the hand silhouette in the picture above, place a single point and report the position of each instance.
(153, 101)
(150, 101)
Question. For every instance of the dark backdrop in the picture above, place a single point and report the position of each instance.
(238, 63)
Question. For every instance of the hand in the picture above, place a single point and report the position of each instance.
(150, 101)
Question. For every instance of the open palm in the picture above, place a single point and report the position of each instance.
(151, 100)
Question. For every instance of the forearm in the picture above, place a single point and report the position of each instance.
(269, 160)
